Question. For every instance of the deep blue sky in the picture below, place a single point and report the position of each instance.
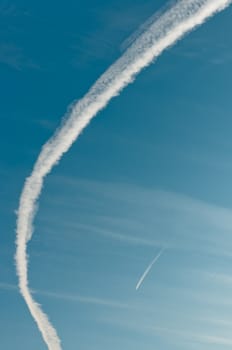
(153, 169)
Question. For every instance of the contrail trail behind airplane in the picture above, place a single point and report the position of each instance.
(144, 275)
(165, 31)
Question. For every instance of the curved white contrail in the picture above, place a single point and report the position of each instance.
(183, 17)
(148, 269)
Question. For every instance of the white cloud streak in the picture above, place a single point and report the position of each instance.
(183, 17)
(84, 299)
(70, 297)
(199, 338)
(144, 275)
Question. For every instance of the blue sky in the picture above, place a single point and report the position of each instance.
(153, 169)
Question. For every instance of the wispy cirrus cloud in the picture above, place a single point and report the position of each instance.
(10, 9)
(194, 337)
(12, 54)
(14, 57)
(70, 297)
(143, 216)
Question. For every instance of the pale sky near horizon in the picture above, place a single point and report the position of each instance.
(152, 170)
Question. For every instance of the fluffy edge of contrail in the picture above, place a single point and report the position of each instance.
(183, 17)
(145, 25)
(146, 272)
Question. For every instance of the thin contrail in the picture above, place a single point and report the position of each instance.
(148, 269)
(183, 17)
